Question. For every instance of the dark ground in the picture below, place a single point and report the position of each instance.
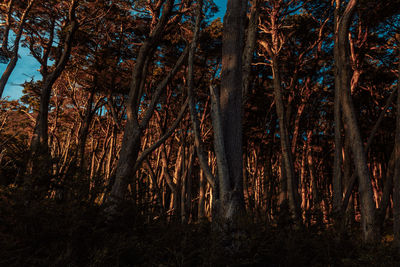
(47, 233)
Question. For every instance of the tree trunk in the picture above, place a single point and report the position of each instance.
(84, 130)
(39, 151)
(285, 143)
(230, 105)
(337, 170)
(396, 177)
(133, 129)
(248, 51)
(387, 191)
(360, 161)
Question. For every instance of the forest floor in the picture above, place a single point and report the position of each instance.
(47, 233)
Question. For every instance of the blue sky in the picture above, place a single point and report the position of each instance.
(222, 7)
(27, 67)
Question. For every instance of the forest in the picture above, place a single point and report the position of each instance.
(159, 135)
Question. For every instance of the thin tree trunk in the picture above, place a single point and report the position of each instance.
(192, 103)
(84, 130)
(360, 161)
(285, 143)
(337, 170)
(396, 177)
(387, 191)
(202, 197)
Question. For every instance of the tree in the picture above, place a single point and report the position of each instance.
(227, 114)
(344, 79)
(134, 128)
(39, 142)
(13, 54)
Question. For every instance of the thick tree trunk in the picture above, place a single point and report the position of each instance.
(230, 104)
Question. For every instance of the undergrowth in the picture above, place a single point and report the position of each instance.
(47, 233)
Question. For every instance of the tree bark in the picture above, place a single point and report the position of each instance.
(360, 161)
(248, 51)
(230, 107)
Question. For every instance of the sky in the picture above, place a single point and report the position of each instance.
(27, 67)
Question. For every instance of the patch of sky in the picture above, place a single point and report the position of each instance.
(26, 69)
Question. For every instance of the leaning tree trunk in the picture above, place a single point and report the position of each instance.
(131, 142)
(360, 161)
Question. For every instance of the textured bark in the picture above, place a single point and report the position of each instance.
(227, 116)
(360, 161)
